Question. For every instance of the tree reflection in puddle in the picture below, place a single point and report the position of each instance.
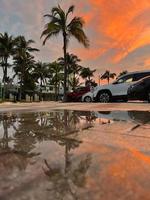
(21, 132)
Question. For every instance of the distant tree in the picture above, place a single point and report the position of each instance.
(108, 75)
(55, 69)
(41, 73)
(122, 73)
(72, 66)
(75, 82)
(24, 63)
(7, 44)
(23, 67)
(87, 74)
(59, 23)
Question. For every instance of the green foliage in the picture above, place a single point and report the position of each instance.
(87, 73)
(122, 73)
(108, 75)
(60, 22)
(7, 44)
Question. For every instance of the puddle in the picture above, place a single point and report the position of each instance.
(75, 155)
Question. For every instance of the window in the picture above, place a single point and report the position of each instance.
(126, 79)
(141, 75)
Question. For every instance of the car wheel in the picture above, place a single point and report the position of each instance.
(148, 96)
(104, 97)
(88, 99)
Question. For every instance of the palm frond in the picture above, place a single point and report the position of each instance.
(51, 28)
(75, 28)
(70, 10)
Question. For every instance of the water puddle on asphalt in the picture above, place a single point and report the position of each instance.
(75, 155)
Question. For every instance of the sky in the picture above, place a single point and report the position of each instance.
(119, 31)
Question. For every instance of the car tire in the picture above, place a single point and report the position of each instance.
(148, 96)
(104, 97)
(88, 99)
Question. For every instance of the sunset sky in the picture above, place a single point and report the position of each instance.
(119, 31)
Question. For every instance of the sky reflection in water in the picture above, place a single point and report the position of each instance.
(58, 152)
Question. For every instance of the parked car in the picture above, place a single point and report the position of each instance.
(140, 90)
(115, 91)
(77, 94)
(88, 97)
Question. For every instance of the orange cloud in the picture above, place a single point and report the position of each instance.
(120, 25)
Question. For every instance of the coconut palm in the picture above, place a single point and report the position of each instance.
(24, 62)
(23, 45)
(7, 44)
(75, 82)
(73, 68)
(23, 67)
(55, 70)
(59, 23)
(87, 74)
(122, 73)
(108, 75)
(40, 73)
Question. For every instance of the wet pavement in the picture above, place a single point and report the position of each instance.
(75, 155)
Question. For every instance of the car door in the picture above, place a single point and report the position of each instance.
(120, 87)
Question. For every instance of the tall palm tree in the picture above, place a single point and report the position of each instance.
(87, 74)
(108, 75)
(23, 45)
(40, 72)
(23, 67)
(7, 44)
(55, 70)
(23, 61)
(73, 67)
(59, 23)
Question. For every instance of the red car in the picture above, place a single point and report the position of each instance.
(77, 94)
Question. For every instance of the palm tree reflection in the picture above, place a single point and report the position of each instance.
(22, 131)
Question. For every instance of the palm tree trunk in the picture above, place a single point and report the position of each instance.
(65, 67)
(74, 76)
(56, 92)
(4, 78)
(20, 94)
(40, 90)
(108, 80)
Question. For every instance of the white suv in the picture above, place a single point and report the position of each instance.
(115, 91)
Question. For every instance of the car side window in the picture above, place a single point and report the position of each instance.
(140, 76)
(129, 80)
(126, 79)
(147, 82)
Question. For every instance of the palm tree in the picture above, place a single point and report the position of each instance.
(59, 23)
(87, 73)
(108, 75)
(75, 82)
(23, 67)
(23, 61)
(123, 73)
(40, 72)
(7, 44)
(55, 70)
(23, 45)
(72, 66)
